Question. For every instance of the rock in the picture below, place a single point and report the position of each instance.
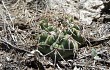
(85, 10)
(90, 9)
(65, 6)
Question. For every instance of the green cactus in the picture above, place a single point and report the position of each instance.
(43, 37)
(53, 38)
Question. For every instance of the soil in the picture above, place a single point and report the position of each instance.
(21, 55)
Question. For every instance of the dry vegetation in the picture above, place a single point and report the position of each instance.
(33, 37)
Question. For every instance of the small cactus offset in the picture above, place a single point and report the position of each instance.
(63, 36)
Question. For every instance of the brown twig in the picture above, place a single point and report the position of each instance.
(95, 42)
(14, 47)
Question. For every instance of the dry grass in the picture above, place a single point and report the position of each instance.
(20, 23)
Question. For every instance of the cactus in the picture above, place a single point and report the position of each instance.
(63, 39)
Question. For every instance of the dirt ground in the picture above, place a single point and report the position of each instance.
(19, 49)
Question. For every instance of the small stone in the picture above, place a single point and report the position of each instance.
(8, 59)
(0, 65)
